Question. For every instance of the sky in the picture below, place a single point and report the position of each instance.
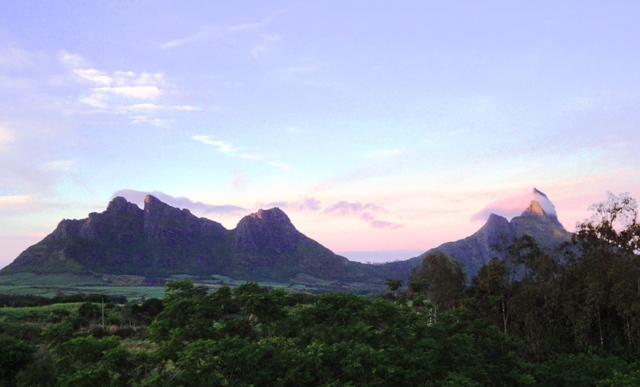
(382, 128)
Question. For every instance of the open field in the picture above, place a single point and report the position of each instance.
(137, 287)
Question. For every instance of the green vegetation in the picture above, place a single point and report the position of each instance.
(571, 319)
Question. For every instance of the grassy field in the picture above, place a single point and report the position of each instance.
(136, 287)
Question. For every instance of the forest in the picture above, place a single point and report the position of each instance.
(565, 318)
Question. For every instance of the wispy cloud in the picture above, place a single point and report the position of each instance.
(222, 146)
(346, 208)
(150, 107)
(309, 204)
(305, 68)
(377, 223)
(265, 45)
(59, 165)
(147, 120)
(202, 35)
(208, 33)
(366, 212)
(230, 150)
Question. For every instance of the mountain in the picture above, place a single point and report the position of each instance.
(160, 240)
(539, 221)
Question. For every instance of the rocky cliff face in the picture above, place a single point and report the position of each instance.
(266, 232)
(160, 240)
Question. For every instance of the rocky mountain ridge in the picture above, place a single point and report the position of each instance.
(161, 240)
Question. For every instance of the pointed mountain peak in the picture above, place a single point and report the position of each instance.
(542, 207)
(535, 208)
(120, 205)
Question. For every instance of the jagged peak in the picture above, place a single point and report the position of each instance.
(119, 205)
(117, 202)
(270, 214)
(493, 218)
(495, 223)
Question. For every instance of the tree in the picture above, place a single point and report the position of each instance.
(494, 283)
(441, 278)
(15, 355)
(393, 284)
(613, 225)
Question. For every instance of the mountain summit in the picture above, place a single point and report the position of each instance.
(542, 206)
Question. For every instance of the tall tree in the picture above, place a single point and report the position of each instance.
(442, 279)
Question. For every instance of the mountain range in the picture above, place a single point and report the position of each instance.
(160, 240)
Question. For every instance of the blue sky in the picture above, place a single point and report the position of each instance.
(375, 125)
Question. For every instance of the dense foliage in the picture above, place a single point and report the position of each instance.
(571, 318)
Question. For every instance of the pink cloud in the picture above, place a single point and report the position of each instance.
(376, 223)
(346, 208)
(364, 211)
(309, 204)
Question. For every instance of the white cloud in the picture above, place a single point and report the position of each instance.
(122, 92)
(222, 146)
(140, 92)
(301, 69)
(228, 149)
(266, 44)
(93, 75)
(251, 156)
(73, 60)
(149, 107)
(203, 34)
(59, 165)
(146, 120)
